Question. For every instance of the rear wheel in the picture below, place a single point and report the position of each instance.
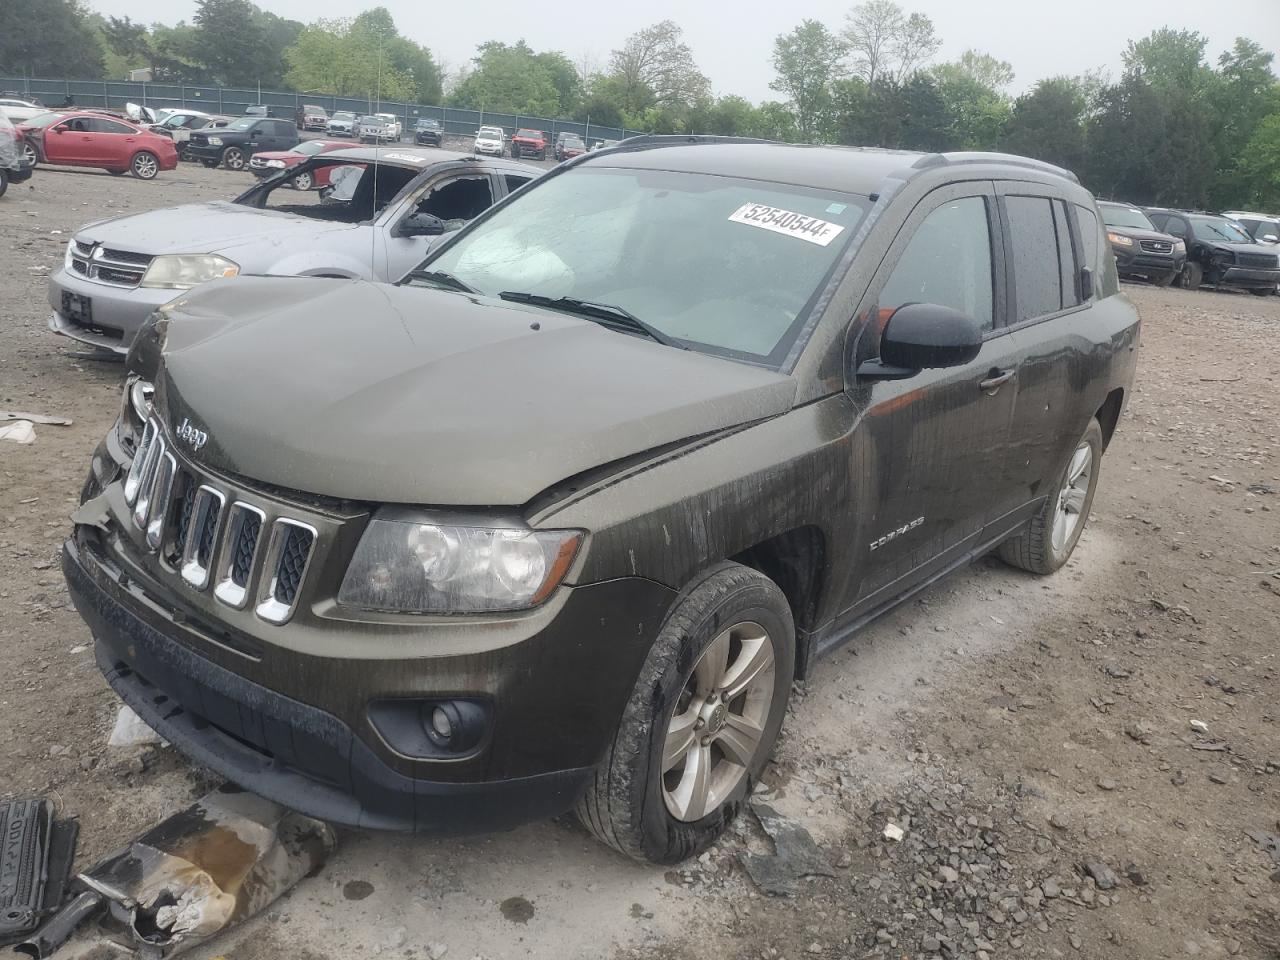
(233, 158)
(1192, 276)
(145, 166)
(701, 721)
(1046, 543)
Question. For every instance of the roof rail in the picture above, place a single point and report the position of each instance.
(1008, 159)
(680, 139)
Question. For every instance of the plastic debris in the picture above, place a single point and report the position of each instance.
(207, 868)
(1199, 726)
(20, 431)
(34, 418)
(35, 863)
(130, 730)
(893, 832)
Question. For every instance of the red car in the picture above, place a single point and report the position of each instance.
(89, 139)
(529, 143)
(273, 161)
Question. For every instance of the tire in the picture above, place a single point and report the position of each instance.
(1261, 293)
(1039, 548)
(4, 181)
(144, 165)
(233, 158)
(629, 804)
(1192, 276)
(184, 154)
(304, 181)
(30, 155)
(542, 154)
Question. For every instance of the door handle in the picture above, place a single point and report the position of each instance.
(995, 380)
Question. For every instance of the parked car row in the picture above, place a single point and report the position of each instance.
(550, 518)
(1234, 250)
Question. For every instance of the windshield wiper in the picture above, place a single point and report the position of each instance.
(441, 278)
(606, 313)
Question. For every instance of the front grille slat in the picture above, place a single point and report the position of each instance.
(117, 268)
(1156, 246)
(208, 537)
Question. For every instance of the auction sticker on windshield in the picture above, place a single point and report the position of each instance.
(787, 222)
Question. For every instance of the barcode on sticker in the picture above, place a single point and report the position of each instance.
(787, 222)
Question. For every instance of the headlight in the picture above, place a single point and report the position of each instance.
(135, 407)
(215, 141)
(183, 271)
(1179, 246)
(1120, 239)
(408, 566)
(276, 164)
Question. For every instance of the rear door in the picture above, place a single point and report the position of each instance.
(1051, 241)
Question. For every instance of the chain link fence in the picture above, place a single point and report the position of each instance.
(232, 102)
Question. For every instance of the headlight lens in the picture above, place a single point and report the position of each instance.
(135, 406)
(406, 566)
(183, 271)
(275, 164)
(1179, 246)
(1120, 239)
(215, 141)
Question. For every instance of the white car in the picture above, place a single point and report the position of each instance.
(20, 111)
(379, 126)
(490, 141)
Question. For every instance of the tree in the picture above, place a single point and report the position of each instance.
(886, 43)
(806, 61)
(977, 113)
(364, 57)
(901, 116)
(1260, 161)
(655, 68)
(1169, 59)
(230, 47)
(982, 68)
(513, 79)
(1048, 123)
(49, 38)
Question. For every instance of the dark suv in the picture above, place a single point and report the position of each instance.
(1141, 251)
(428, 131)
(556, 523)
(1220, 252)
(234, 144)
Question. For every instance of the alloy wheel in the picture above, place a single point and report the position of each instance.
(234, 159)
(718, 723)
(145, 166)
(29, 156)
(302, 181)
(1071, 498)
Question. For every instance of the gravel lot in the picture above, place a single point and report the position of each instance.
(1033, 738)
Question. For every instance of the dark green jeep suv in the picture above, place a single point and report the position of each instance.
(556, 521)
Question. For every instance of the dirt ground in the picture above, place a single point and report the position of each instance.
(1033, 737)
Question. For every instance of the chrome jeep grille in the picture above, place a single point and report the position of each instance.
(118, 268)
(210, 538)
(1156, 246)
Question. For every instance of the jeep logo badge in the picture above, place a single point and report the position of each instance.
(192, 434)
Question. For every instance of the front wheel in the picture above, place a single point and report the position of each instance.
(1192, 276)
(1047, 541)
(233, 158)
(303, 181)
(701, 722)
(145, 166)
(29, 155)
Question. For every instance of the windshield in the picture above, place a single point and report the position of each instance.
(42, 119)
(428, 124)
(722, 265)
(1212, 230)
(489, 133)
(571, 141)
(1118, 216)
(309, 148)
(529, 134)
(244, 123)
(343, 115)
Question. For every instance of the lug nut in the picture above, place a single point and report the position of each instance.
(699, 724)
(706, 741)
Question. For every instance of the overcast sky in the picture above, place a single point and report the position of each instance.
(733, 41)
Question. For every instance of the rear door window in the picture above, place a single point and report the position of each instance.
(947, 262)
(1037, 269)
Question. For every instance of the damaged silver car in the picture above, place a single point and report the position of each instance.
(373, 221)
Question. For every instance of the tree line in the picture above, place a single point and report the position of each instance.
(1172, 129)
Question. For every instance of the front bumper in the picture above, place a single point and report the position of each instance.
(295, 727)
(427, 139)
(1248, 278)
(198, 151)
(116, 313)
(492, 151)
(339, 131)
(1148, 266)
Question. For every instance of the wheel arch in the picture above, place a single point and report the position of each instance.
(796, 561)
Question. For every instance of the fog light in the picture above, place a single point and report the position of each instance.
(441, 724)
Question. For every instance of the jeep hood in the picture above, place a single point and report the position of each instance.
(408, 395)
(222, 226)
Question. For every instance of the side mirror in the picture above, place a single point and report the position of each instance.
(1269, 238)
(58, 129)
(420, 225)
(920, 336)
